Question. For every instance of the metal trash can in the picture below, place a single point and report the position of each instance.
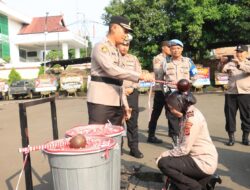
(107, 130)
(86, 168)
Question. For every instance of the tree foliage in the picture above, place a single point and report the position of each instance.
(84, 52)
(54, 55)
(41, 70)
(14, 76)
(200, 24)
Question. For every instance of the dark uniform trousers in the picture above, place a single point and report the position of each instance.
(132, 123)
(101, 114)
(183, 172)
(159, 103)
(233, 102)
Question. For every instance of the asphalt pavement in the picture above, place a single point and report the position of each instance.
(140, 174)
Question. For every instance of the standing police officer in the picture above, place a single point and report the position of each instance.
(159, 96)
(238, 94)
(132, 63)
(104, 97)
(176, 68)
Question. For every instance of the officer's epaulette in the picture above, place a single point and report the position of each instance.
(156, 60)
(190, 114)
(104, 48)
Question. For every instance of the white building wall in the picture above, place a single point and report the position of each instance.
(65, 50)
(33, 42)
(26, 70)
(77, 53)
(14, 28)
(26, 73)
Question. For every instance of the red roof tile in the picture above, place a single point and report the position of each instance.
(54, 24)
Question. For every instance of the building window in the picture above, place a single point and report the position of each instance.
(22, 53)
(4, 37)
(32, 54)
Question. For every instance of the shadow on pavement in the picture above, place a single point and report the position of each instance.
(141, 109)
(134, 174)
(45, 182)
(143, 136)
(236, 164)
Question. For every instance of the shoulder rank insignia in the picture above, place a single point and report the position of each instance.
(104, 49)
(187, 131)
(187, 128)
(190, 114)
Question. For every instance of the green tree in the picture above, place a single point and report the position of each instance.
(14, 76)
(87, 52)
(201, 25)
(54, 55)
(6, 59)
(150, 25)
(84, 52)
(41, 70)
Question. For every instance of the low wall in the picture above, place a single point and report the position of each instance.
(26, 70)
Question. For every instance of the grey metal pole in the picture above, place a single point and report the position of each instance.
(45, 40)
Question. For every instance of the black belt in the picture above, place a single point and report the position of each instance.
(107, 80)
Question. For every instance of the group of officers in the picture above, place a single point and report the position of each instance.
(113, 97)
(112, 93)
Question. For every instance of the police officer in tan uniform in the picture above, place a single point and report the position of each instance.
(132, 63)
(104, 97)
(238, 94)
(159, 96)
(176, 68)
(195, 157)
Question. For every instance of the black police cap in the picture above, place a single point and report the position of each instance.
(241, 48)
(122, 21)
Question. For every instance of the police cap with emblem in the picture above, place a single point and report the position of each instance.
(241, 48)
(122, 21)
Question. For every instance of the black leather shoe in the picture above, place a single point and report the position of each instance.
(230, 142)
(212, 182)
(245, 140)
(136, 154)
(231, 139)
(154, 140)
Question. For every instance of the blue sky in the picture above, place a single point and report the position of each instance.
(73, 10)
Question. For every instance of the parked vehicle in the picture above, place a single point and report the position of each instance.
(4, 87)
(22, 88)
